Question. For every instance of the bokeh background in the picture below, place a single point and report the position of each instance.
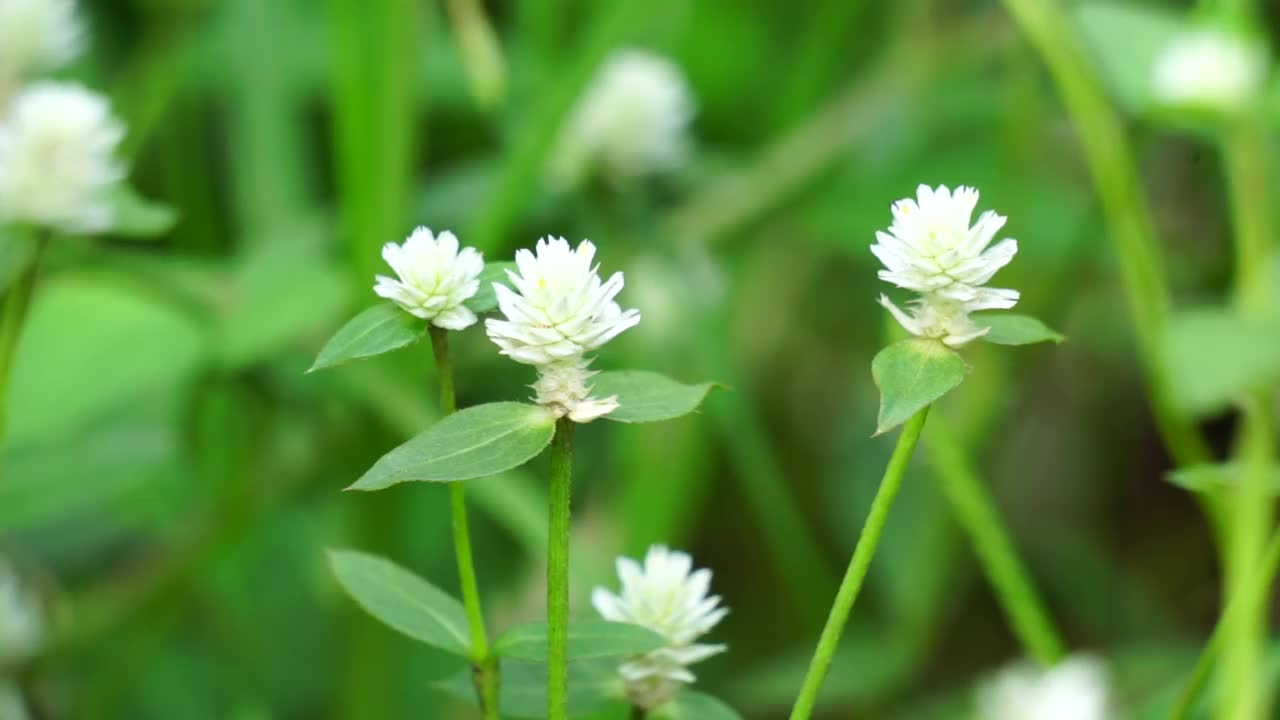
(172, 477)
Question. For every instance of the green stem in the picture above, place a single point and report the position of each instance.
(14, 317)
(558, 573)
(1246, 603)
(858, 566)
(974, 510)
(485, 675)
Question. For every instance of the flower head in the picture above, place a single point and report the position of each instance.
(36, 35)
(670, 598)
(22, 627)
(57, 158)
(1210, 68)
(632, 120)
(1074, 689)
(932, 249)
(435, 278)
(559, 311)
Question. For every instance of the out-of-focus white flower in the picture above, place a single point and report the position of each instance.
(36, 35)
(1210, 68)
(12, 706)
(435, 278)
(931, 248)
(670, 598)
(22, 628)
(559, 311)
(57, 158)
(632, 120)
(1074, 689)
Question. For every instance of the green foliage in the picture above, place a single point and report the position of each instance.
(1124, 40)
(486, 299)
(693, 705)
(912, 374)
(1012, 329)
(593, 684)
(403, 601)
(588, 639)
(136, 217)
(648, 396)
(381, 328)
(17, 247)
(1215, 356)
(475, 442)
(1215, 478)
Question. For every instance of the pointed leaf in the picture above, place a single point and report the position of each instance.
(912, 374)
(1212, 478)
(645, 396)
(380, 329)
(587, 639)
(403, 601)
(1013, 329)
(486, 300)
(136, 217)
(692, 705)
(476, 442)
(523, 694)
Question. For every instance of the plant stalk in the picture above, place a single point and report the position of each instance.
(485, 673)
(558, 573)
(16, 304)
(858, 566)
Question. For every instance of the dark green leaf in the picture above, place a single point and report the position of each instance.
(645, 396)
(587, 639)
(403, 600)
(692, 705)
(1012, 329)
(485, 299)
(476, 442)
(380, 329)
(912, 374)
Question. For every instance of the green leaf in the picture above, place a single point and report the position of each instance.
(692, 705)
(645, 396)
(485, 299)
(380, 329)
(523, 694)
(476, 442)
(403, 601)
(17, 248)
(1211, 478)
(136, 217)
(1215, 356)
(911, 374)
(1124, 41)
(1012, 329)
(587, 639)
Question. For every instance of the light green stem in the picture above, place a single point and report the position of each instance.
(858, 566)
(16, 304)
(976, 513)
(558, 573)
(1246, 603)
(1110, 159)
(485, 675)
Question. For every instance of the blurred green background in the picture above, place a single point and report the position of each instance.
(172, 477)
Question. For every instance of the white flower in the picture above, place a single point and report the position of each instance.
(632, 120)
(1074, 689)
(559, 311)
(57, 158)
(435, 278)
(22, 628)
(931, 248)
(36, 35)
(1210, 68)
(670, 598)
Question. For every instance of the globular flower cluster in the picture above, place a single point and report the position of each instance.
(669, 597)
(559, 311)
(36, 36)
(932, 249)
(1210, 68)
(58, 160)
(633, 120)
(434, 278)
(1074, 689)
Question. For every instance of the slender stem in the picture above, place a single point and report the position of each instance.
(558, 573)
(14, 316)
(974, 510)
(485, 674)
(858, 566)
